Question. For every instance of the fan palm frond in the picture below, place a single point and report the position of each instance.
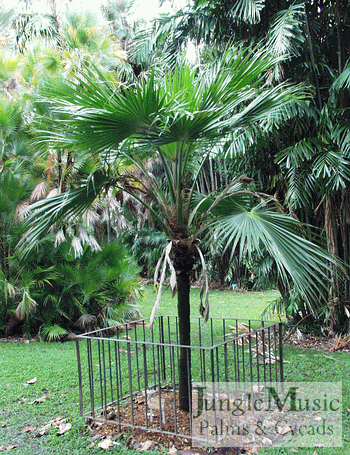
(247, 229)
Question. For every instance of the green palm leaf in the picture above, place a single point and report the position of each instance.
(285, 35)
(248, 10)
(248, 229)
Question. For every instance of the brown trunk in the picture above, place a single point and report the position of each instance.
(345, 222)
(335, 297)
(67, 172)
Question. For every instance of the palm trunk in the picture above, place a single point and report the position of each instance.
(335, 296)
(183, 263)
(183, 308)
(313, 60)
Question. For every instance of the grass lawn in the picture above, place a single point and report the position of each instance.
(54, 366)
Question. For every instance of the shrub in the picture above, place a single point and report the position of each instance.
(57, 293)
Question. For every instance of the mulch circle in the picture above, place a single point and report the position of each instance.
(134, 437)
(172, 444)
(138, 417)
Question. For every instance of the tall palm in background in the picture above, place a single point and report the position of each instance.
(177, 119)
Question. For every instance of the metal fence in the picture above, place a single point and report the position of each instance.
(131, 378)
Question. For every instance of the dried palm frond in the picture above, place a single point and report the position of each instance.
(204, 309)
(240, 328)
(59, 238)
(26, 306)
(86, 321)
(341, 342)
(166, 261)
(83, 235)
(52, 193)
(94, 245)
(91, 216)
(76, 246)
(22, 210)
(39, 192)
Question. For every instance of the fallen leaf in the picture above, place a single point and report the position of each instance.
(105, 444)
(40, 400)
(27, 429)
(145, 446)
(3, 448)
(63, 428)
(57, 421)
(22, 399)
(172, 451)
(32, 381)
(42, 430)
(293, 450)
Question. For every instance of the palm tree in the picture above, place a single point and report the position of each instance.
(177, 119)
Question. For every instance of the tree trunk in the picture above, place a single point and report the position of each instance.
(183, 261)
(313, 60)
(183, 308)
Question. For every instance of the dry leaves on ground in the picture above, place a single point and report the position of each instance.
(58, 422)
(105, 444)
(27, 429)
(146, 445)
(39, 400)
(63, 428)
(323, 343)
(10, 447)
(341, 342)
(31, 381)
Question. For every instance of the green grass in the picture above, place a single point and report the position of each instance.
(55, 366)
(223, 304)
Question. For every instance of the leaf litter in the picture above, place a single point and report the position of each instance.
(58, 422)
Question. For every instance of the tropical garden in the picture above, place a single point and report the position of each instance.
(118, 151)
(209, 147)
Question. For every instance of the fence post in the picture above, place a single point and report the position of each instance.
(281, 350)
(80, 379)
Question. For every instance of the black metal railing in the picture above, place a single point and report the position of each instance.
(131, 378)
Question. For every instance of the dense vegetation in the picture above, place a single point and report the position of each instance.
(112, 144)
